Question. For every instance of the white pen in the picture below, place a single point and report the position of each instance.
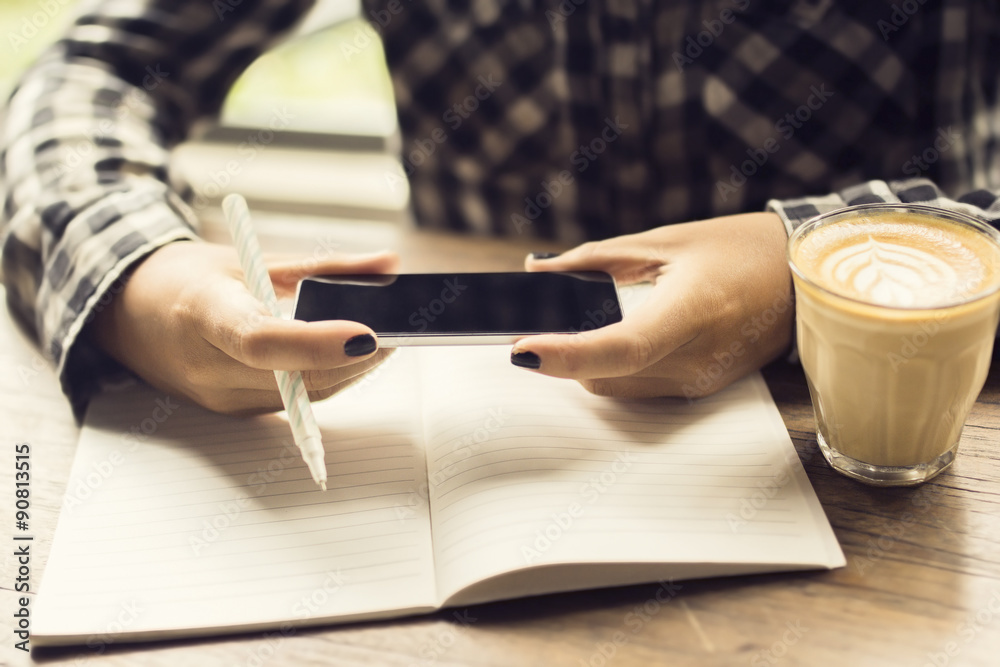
(305, 430)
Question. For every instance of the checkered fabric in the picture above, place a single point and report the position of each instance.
(569, 119)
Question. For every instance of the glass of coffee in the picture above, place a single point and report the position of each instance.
(896, 312)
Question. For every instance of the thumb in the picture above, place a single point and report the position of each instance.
(630, 259)
(231, 319)
(287, 272)
(654, 330)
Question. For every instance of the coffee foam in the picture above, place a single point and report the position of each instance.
(900, 260)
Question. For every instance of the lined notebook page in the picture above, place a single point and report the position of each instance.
(526, 470)
(212, 522)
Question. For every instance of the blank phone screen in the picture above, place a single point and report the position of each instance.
(464, 303)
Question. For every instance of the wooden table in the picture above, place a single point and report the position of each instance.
(921, 587)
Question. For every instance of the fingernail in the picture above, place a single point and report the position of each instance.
(526, 360)
(360, 345)
(544, 255)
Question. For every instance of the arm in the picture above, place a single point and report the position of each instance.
(88, 206)
(721, 305)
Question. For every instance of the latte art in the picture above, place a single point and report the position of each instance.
(899, 263)
(890, 274)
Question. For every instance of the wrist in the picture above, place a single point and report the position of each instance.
(107, 322)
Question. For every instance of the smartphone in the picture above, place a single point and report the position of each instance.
(462, 308)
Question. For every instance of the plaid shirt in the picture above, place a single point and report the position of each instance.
(573, 119)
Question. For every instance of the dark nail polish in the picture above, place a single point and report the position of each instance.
(544, 255)
(360, 345)
(526, 360)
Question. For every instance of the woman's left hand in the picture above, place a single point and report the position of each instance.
(720, 308)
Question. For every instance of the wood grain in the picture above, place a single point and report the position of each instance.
(922, 584)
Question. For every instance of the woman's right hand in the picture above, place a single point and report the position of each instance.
(186, 323)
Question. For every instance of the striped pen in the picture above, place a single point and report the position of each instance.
(290, 384)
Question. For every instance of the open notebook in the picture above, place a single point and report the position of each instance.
(455, 478)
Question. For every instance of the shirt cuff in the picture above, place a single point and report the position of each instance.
(100, 274)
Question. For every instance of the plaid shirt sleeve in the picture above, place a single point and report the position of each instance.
(982, 203)
(84, 153)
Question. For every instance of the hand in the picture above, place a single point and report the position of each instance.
(720, 307)
(187, 324)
